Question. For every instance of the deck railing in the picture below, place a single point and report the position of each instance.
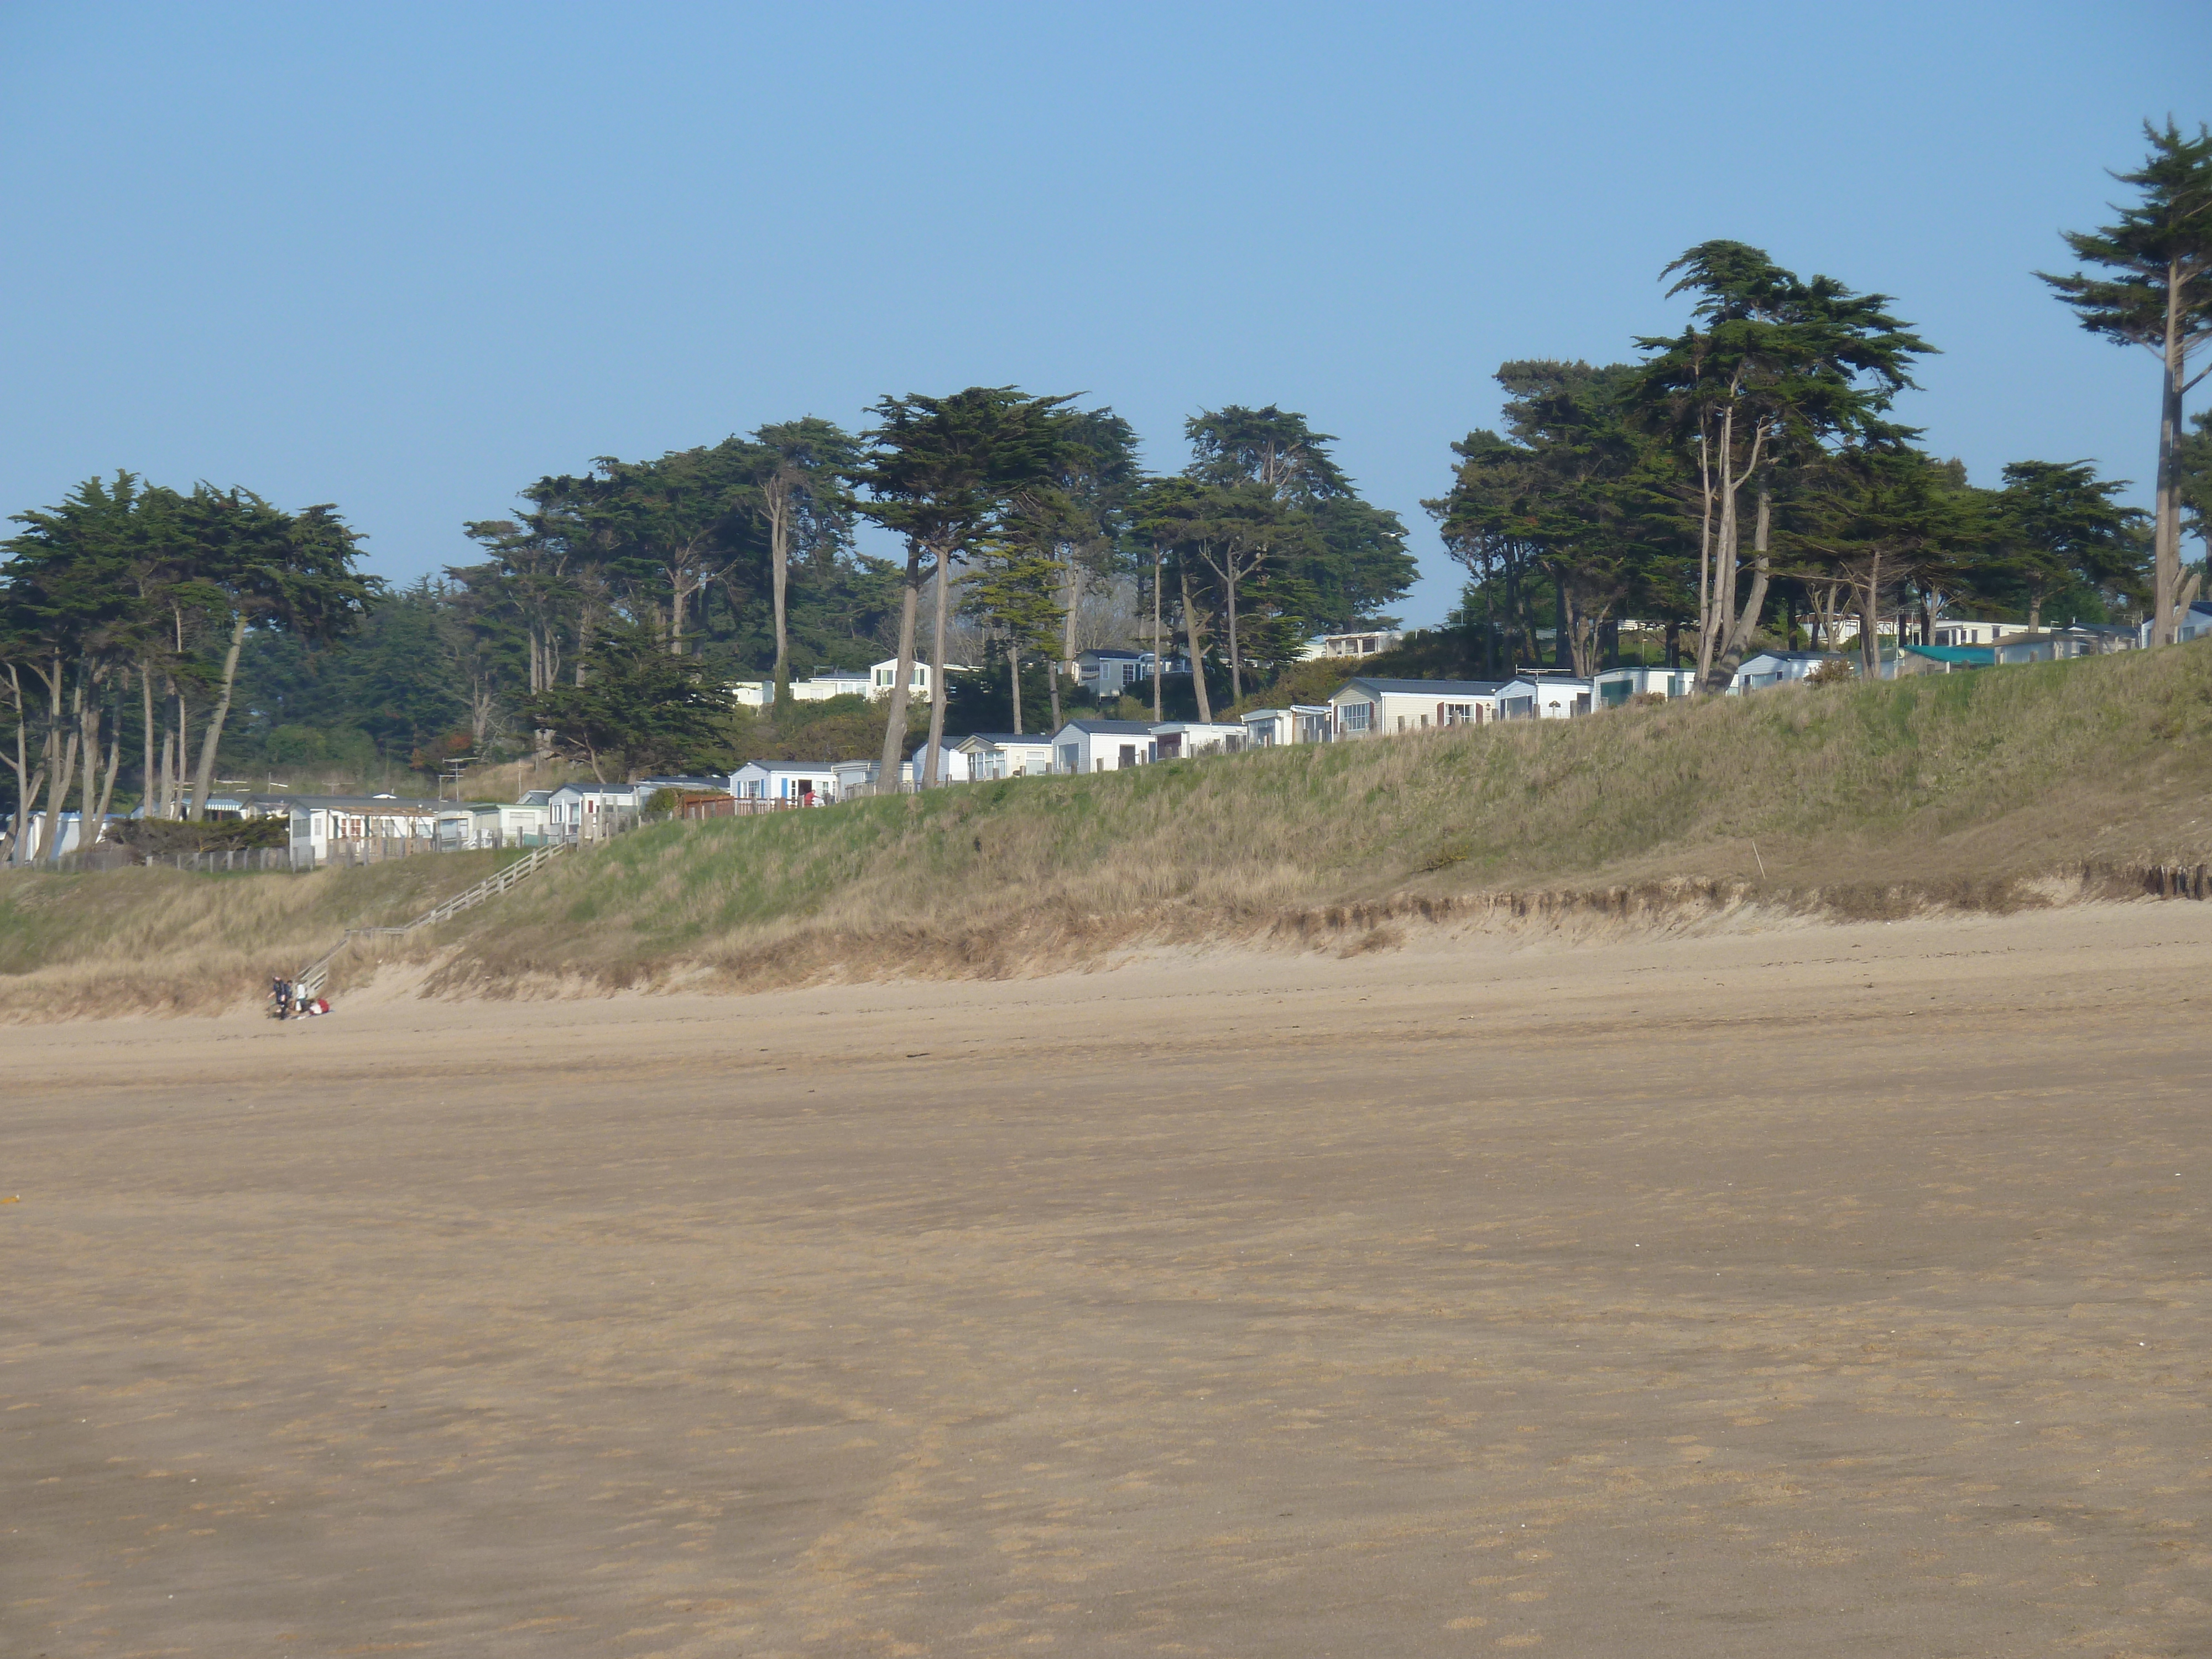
(310, 980)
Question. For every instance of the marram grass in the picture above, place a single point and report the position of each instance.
(1987, 776)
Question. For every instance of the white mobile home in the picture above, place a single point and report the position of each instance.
(1540, 697)
(319, 823)
(1615, 686)
(953, 765)
(1007, 754)
(1110, 673)
(851, 780)
(585, 812)
(797, 783)
(1101, 745)
(1182, 740)
(1370, 707)
(1775, 668)
(480, 824)
(828, 683)
(885, 675)
(1275, 728)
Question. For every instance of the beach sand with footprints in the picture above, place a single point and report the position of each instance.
(1816, 1291)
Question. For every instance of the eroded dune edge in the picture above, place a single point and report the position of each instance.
(1968, 794)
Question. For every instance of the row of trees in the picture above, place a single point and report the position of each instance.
(1010, 508)
(124, 613)
(606, 616)
(1758, 447)
(1754, 455)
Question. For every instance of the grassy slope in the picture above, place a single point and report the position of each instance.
(163, 940)
(1929, 784)
(1935, 783)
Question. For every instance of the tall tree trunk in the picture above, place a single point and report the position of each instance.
(172, 783)
(895, 720)
(2166, 533)
(1014, 678)
(27, 793)
(107, 785)
(779, 564)
(203, 777)
(60, 776)
(58, 789)
(146, 777)
(88, 795)
(1561, 640)
(1708, 562)
(1740, 623)
(1868, 599)
(1159, 655)
(1235, 651)
(1067, 665)
(1196, 630)
(929, 777)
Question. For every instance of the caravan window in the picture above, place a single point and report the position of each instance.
(1355, 716)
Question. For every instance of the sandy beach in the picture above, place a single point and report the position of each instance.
(1817, 1291)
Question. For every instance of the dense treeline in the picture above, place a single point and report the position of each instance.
(1743, 482)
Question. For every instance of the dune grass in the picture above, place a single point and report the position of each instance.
(160, 940)
(1970, 778)
(1940, 784)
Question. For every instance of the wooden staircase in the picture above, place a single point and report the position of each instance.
(309, 981)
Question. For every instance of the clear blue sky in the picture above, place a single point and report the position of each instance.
(408, 258)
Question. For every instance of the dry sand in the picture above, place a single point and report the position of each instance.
(1817, 1291)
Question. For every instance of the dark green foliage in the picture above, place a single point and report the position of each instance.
(639, 709)
(2154, 290)
(2059, 536)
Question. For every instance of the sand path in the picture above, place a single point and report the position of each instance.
(1818, 1291)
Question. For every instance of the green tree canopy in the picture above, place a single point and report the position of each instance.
(2154, 290)
(1771, 370)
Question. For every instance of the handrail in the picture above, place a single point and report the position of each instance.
(310, 979)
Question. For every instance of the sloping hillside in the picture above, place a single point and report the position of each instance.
(1966, 787)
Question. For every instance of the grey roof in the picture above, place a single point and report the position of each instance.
(1422, 688)
(361, 803)
(1142, 728)
(1001, 739)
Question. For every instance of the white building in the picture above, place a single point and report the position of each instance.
(885, 675)
(1615, 686)
(797, 783)
(1101, 745)
(585, 812)
(1543, 697)
(1368, 708)
(1110, 673)
(1182, 740)
(752, 694)
(34, 830)
(1965, 630)
(1007, 754)
(851, 780)
(1367, 642)
(317, 821)
(952, 760)
(828, 683)
(1756, 673)
(481, 824)
(1274, 728)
